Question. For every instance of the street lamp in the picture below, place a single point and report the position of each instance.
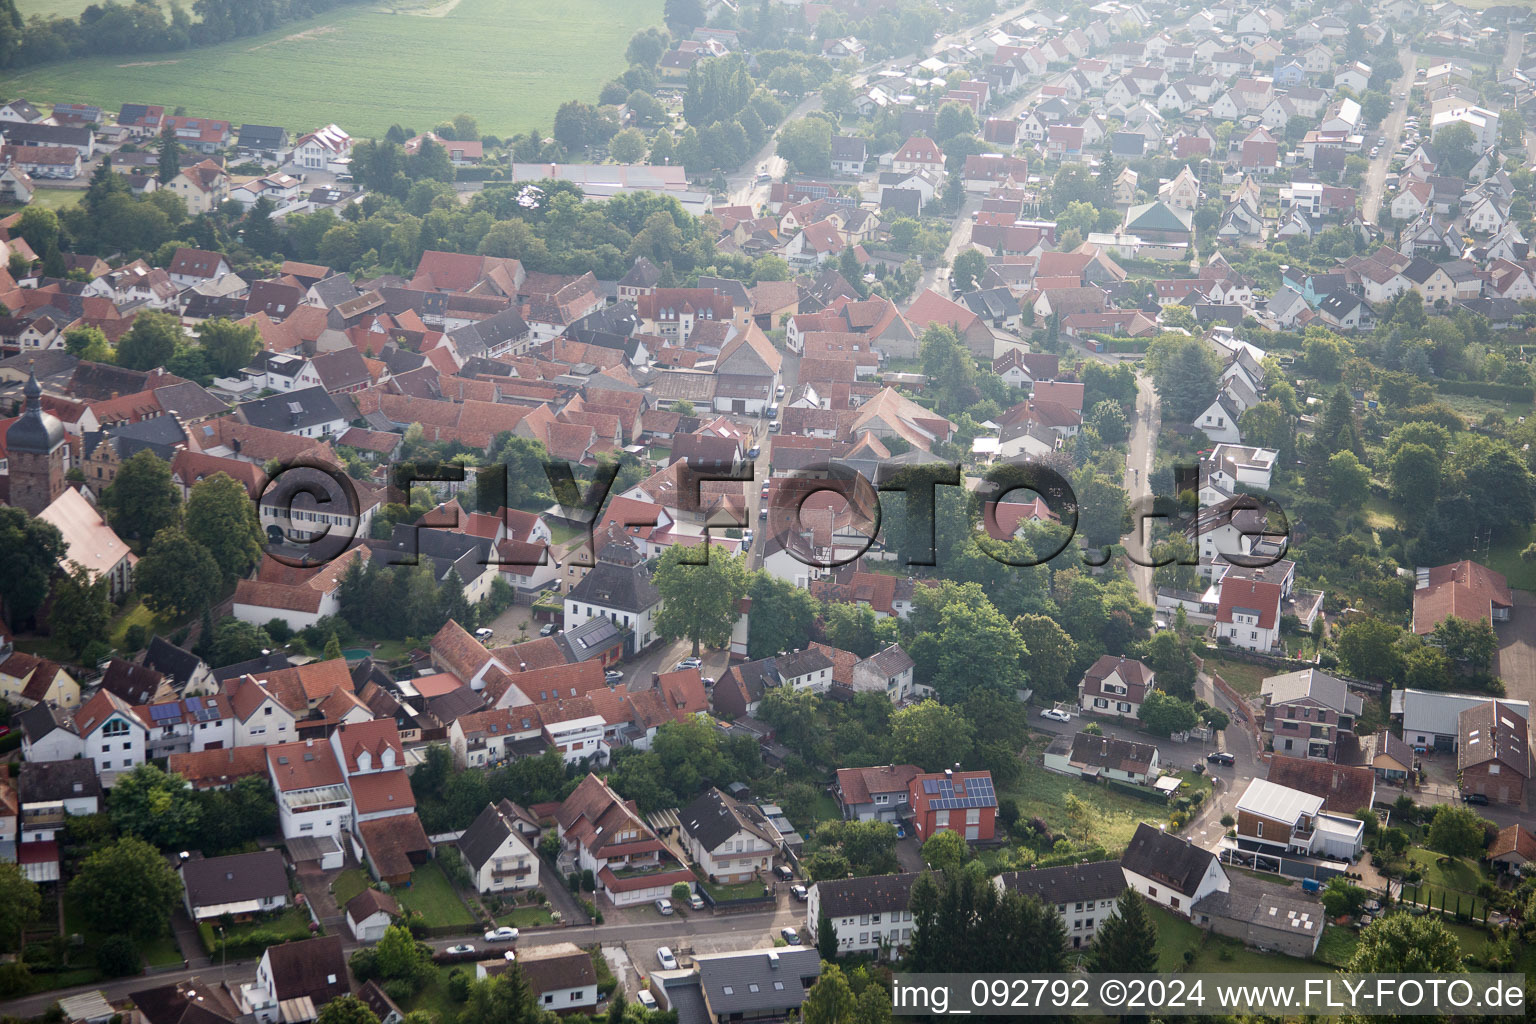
(223, 951)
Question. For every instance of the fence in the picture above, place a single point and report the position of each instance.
(745, 905)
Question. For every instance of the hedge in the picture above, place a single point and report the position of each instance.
(1481, 389)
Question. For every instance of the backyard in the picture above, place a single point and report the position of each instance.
(1449, 883)
(364, 67)
(1108, 818)
(1241, 676)
(431, 894)
(348, 884)
(291, 924)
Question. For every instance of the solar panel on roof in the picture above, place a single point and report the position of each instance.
(194, 704)
(161, 712)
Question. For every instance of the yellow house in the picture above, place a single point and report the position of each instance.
(26, 680)
(204, 186)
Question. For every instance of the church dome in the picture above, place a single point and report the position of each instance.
(36, 430)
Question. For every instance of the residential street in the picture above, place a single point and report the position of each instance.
(641, 936)
(1138, 463)
(1392, 129)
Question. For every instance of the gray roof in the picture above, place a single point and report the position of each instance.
(715, 818)
(1318, 687)
(49, 781)
(756, 981)
(292, 410)
(1171, 860)
(485, 835)
(608, 585)
(799, 663)
(334, 290)
(1263, 904)
(36, 430)
(41, 719)
(1113, 752)
(869, 894)
(1069, 883)
(212, 881)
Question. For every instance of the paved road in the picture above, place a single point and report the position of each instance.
(701, 932)
(1138, 468)
(1392, 130)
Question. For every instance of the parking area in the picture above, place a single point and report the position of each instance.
(1516, 662)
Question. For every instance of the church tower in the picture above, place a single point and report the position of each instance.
(35, 444)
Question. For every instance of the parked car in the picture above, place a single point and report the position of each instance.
(549, 629)
(800, 892)
(695, 902)
(484, 633)
(790, 936)
(754, 452)
(1056, 715)
(463, 947)
(645, 999)
(666, 959)
(1374, 151)
(784, 872)
(762, 513)
(1221, 757)
(746, 539)
(690, 663)
(773, 427)
(613, 675)
(1479, 799)
(505, 933)
(664, 907)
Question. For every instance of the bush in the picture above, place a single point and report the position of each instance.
(458, 984)
(1227, 821)
(401, 990)
(117, 957)
(134, 638)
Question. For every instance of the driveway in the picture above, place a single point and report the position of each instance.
(1516, 662)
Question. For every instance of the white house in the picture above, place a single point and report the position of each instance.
(730, 841)
(260, 718)
(115, 738)
(370, 913)
(868, 913)
(496, 851)
(328, 149)
(238, 885)
(1115, 686)
(1284, 820)
(1170, 870)
(312, 795)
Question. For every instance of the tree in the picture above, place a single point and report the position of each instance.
(826, 937)
(332, 648)
(1126, 941)
(699, 601)
(142, 500)
(81, 607)
(20, 905)
(1367, 648)
(127, 887)
(1458, 831)
(118, 957)
(837, 95)
(1415, 477)
(807, 144)
(646, 47)
(830, 1000)
(969, 267)
(945, 850)
(88, 343)
(1268, 425)
(1107, 419)
(1341, 896)
(683, 16)
(1403, 943)
(1456, 148)
(1349, 483)
(782, 616)
(1052, 653)
(506, 998)
(40, 227)
(30, 550)
(931, 735)
(155, 807)
(170, 153)
(1185, 373)
(1472, 643)
(628, 146)
(399, 957)
(235, 641)
(150, 342)
(227, 345)
(1165, 715)
(346, 1010)
(222, 518)
(177, 575)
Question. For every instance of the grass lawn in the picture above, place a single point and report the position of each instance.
(431, 893)
(560, 534)
(1174, 936)
(57, 198)
(366, 66)
(164, 951)
(1471, 937)
(1337, 946)
(434, 996)
(1452, 872)
(1505, 558)
(526, 917)
(160, 951)
(1379, 513)
(1111, 818)
(348, 884)
(291, 924)
(739, 891)
(1227, 956)
(1241, 676)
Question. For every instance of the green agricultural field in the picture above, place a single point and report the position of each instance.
(509, 63)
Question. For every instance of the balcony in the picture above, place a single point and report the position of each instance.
(501, 874)
(43, 819)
